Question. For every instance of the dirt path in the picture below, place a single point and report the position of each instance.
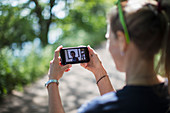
(76, 87)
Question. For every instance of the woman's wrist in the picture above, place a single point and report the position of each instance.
(99, 73)
(53, 77)
(51, 81)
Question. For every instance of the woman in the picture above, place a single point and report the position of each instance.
(145, 92)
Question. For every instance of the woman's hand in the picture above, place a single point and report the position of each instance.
(56, 68)
(94, 65)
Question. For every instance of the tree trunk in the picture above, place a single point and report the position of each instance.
(44, 24)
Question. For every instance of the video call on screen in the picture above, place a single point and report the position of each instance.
(75, 55)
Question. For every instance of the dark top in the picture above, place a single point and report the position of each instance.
(131, 99)
(75, 59)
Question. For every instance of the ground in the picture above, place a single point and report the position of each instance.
(76, 87)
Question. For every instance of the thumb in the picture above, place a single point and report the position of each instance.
(84, 65)
(66, 67)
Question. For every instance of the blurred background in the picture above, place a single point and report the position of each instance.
(30, 30)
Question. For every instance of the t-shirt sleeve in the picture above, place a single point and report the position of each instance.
(99, 104)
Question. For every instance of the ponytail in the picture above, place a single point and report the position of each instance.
(166, 8)
(166, 50)
(167, 59)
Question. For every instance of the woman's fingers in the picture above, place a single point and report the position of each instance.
(57, 51)
(67, 70)
(51, 62)
(84, 65)
(91, 50)
(65, 67)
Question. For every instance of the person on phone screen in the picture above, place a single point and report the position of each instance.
(74, 58)
(148, 26)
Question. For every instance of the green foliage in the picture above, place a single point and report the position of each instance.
(13, 27)
(18, 71)
(159, 65)
(85, 24)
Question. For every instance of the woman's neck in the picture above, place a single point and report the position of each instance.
(139, 71)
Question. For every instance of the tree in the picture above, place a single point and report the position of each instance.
(84, 16)
(85, 24)
(13, 27)
(44, 23)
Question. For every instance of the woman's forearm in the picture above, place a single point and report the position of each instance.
(55, 104)
(104, 84)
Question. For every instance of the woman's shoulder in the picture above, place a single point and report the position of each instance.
(99, 104)
(138, 97)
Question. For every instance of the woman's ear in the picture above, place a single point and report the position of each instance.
(122, 41)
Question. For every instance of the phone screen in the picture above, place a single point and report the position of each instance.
(74, 55)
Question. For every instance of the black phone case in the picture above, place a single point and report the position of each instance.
(63, 56)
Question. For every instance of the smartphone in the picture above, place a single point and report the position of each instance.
(73, 55)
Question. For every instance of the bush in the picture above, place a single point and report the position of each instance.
(17, 71)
